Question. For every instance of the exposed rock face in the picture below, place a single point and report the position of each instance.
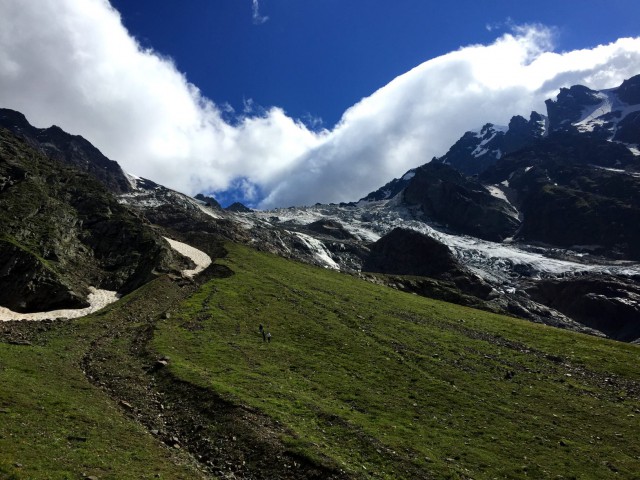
(522, 132)
(476, 151)
(566, 200)
(176, 211)
(608, 304)
(569, 106)
(461, 203)
(209, 201)
(628, 129)
(629, 91)
(62, 231)
(238, 207)
(74, 150)
(407, 252)
(391, 189)
(330, 228)
(27, 282)
(607, 114)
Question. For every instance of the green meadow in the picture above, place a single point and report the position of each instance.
(362, 380)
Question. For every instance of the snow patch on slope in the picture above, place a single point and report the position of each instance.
(97, 299)
(497, 192)
(609, 112)
(201, 259)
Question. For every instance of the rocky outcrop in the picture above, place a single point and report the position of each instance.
(629, 91)
(330, 228)
(460, 203)
(238, 207)
(391, 189)
(73, 150)
(209, 201)
(605, 303)
(607, 115)
(63, 231)
(572, 190)
(523, 133)
(628, 129)
(407, 252)
(477, 151)
(28, 283)
(569, 105)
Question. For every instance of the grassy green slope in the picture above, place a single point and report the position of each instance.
(54, 424)
(393, 385)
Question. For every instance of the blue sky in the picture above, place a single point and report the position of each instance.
(221, 96)
(318, 57)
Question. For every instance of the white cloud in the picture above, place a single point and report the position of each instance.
(421, 113)
(72, 63)
(257, 18)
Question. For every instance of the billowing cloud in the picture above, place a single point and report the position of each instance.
(72, 63)
(420, 114)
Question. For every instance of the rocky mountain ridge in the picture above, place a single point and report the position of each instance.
(56, 144)
(64, 231)
(611, 114)
(532, 225)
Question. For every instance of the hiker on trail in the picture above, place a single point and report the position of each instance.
(264, 336)
(269, 337)
(260, 328)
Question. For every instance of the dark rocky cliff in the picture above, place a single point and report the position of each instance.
(575, 190)
(63, 231)
(460, 202)
(73, 150)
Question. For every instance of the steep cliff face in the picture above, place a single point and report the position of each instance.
(568, 107)
(606, 303)
(447, 196)
(575, 191)
(72, 150)
(29, 282)
(474, 152)
(63, 231)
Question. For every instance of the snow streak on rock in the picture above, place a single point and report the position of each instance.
(320, 253)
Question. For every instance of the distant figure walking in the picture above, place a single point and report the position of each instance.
(263, 332)
(269, 337)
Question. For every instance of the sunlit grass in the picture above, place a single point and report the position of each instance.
(397, 385)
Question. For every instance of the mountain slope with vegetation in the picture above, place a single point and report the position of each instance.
(384, 384)
(62, 231)
(359, 381)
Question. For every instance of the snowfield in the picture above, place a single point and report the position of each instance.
(97, 299)
(499, 263)
(201, 259)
